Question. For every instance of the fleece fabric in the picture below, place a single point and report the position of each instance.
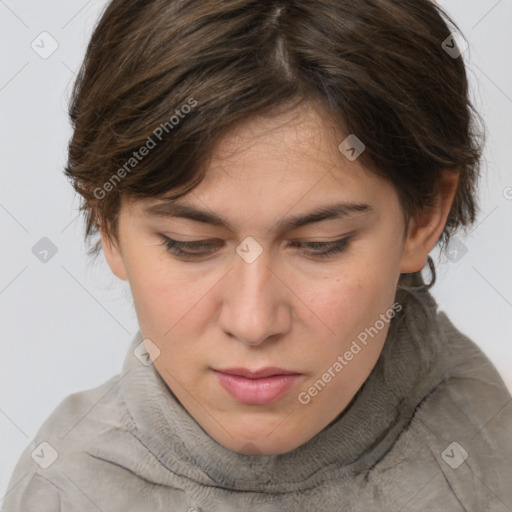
(429, 430)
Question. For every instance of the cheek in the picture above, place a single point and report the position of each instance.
(351, 306)
(349, 302)
(170, 302)
(155, 292)
(349, 350)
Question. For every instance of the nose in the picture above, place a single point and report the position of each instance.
(255, 303)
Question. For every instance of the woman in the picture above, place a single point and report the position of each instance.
(270, 178)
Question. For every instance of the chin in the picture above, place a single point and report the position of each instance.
(263, 446)
(261, 437)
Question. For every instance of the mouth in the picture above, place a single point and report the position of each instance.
(257, 387)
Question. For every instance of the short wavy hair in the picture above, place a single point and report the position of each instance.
(172, 76)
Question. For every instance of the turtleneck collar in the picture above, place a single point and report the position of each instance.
(403, 375)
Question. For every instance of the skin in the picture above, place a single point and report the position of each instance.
(288, 308)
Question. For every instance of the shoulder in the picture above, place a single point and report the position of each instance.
(469, 383)
(80, 414)
(455, 451)
(466, 424)
(31, 492)
(60, 447)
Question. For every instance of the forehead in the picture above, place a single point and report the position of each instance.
(295, 149)
(305, 132)
(286, 167)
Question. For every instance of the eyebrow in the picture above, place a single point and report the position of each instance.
(171, 208)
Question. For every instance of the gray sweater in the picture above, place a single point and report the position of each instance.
(429, 430)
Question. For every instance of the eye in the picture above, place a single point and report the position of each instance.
(201, 248)
(325, 249)
(189, 250)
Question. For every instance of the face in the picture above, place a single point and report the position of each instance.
(259, 305)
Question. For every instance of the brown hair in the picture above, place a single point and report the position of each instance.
(172, 76)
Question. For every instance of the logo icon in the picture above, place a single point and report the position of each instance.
(44, 45)
(352, 147)
(456, 250)
(454, 455)
(146, 352)
(455, 45)
(44, 250)
(249, 250)
(44, 455)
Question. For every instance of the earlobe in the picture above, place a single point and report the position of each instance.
(425, 230)
(113, 256)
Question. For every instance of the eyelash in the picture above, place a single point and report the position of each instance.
(175, 247)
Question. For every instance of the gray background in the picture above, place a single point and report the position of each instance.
(66, 324)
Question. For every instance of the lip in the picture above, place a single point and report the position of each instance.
(257, 387)
(268, 371)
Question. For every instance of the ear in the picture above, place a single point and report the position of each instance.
(113, 255)
(425, 230)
